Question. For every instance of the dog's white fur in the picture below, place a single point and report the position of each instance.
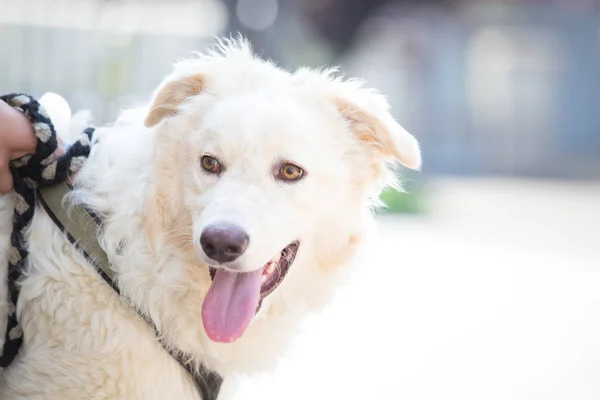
(143, 177)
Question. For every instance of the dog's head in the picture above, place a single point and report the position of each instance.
(266, 179)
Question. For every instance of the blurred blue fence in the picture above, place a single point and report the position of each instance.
(488, 88)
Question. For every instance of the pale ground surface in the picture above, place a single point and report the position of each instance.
(493, 295)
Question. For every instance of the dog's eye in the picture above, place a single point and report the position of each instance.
(290, 172)
(210, 164)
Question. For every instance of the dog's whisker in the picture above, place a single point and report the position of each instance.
(179, 230)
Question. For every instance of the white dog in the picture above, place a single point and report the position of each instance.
(232, 206)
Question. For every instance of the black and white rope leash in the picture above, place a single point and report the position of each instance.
(42, 168)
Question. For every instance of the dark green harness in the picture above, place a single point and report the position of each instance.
(81, 226)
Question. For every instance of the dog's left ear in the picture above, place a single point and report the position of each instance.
(170, 94)
(369, 117)
(367, 113)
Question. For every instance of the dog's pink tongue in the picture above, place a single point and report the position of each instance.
(230, 304)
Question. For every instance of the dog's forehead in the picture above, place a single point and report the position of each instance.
(270, 123)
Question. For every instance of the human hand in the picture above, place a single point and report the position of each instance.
(17, 139)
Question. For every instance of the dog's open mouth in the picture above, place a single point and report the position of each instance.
(234, 297)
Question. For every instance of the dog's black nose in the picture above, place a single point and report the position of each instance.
(224, 242)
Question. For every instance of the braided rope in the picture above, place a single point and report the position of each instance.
(43, 168)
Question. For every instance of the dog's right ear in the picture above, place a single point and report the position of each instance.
(170, 94)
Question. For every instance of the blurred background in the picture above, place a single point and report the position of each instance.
(491, 260)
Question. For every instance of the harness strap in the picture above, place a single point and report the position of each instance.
(81, 226)
(80, 223)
